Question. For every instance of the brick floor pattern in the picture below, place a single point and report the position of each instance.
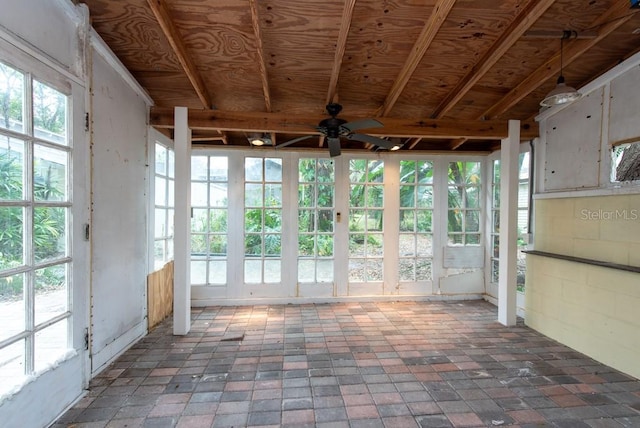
(354, 364)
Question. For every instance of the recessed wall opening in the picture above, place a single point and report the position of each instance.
(625, 162)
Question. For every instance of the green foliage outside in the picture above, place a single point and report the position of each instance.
(316, 202)
(210, 223)
(49, 111)
(366, 191)
(416, 193)
(48, 227)
(263, 229)
(463, 214)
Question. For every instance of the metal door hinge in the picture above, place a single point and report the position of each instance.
(86, 121)
(86, 339)
(87, 231)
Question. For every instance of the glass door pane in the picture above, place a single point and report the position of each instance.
(366, 208)
(316, 191)
(524, 163)
(209, 220)
(495, 221)
(416, 221)
(262, 220)
(35, 253)
(464, 203)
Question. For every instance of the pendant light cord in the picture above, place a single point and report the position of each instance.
(566, 34)
(561, 51)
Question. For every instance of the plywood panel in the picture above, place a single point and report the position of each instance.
(160, 295)
(464, 257)
(119, 221)
(625, 104)
(573, 139)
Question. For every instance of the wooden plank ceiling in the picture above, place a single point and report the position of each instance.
(440, 75)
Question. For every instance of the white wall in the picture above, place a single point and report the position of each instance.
(51, 26)
(119, 116)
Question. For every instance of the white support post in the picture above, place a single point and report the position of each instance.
(509, 152)
(182, 221)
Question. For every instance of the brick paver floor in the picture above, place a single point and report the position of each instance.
(383, 364)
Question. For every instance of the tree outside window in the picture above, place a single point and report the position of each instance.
(463, 214)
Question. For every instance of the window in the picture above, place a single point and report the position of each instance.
(416, 220)
(164, 205)
(366, 208)
(522, 220)
(626, 162)
(524, 163)
(463, 215)
(316, 189)
(495, 221)
(262, 220)
(35, 207)
(210, 205)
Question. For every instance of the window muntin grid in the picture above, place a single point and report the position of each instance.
(262, 220)
(164, 205)
(366, 228)
(209, 221)
(35, 239)
(316, 203)
(464, 207)
(416, 221)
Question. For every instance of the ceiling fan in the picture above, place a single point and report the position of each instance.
(334, 128)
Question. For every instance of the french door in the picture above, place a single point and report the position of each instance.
(366, 227)
(287, 225)
(262, 231)
(316, 227)
(43, 208)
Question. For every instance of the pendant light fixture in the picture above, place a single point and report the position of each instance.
(562, 93)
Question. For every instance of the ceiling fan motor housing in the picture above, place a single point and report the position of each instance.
(333, 127)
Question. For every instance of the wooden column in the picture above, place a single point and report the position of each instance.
(509, 152)
(182, 221)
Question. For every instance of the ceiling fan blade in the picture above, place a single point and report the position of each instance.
(334, 146)
(362, 124)
(385, 144)
(295, 140)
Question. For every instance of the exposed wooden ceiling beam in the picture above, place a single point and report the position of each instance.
(222, 138)
(412, 143)
(345, 25)
(295, 124)
(172, 34)
(527, 17)
(255, 22)
(440, 12)
(606, 23)
(457, 143)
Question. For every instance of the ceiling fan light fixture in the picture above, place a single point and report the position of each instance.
(396, 147)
